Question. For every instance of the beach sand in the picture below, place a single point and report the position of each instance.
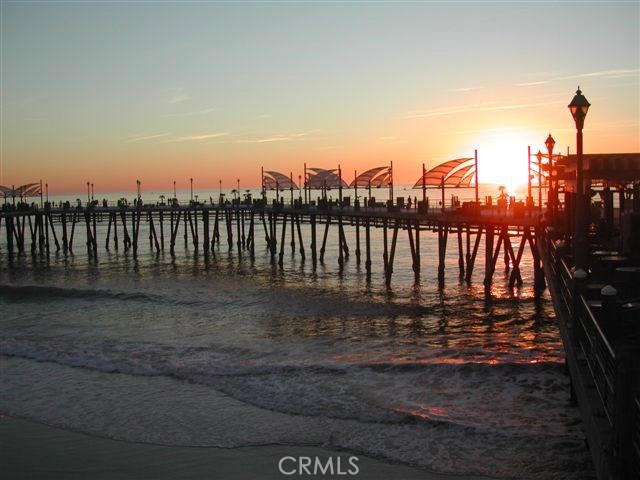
(33, 450)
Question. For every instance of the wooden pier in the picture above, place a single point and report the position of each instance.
(210, 228)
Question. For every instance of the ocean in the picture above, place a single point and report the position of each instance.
(235, 352)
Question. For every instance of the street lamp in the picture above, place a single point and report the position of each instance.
(579, 107)
(92, 192)
(138, 183)
(553, 196)
(174, 191)
(191, 183)
(220, 192)
(88, 193)
(539, 157)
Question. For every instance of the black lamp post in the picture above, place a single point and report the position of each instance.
(553, 196)
(579, 107)
(539, 157)
(88, 193)
(191, 187)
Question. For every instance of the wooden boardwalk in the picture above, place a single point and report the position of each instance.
(208, 226)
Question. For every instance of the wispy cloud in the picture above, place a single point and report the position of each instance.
(202, 111)
(617, 73)
(603, 73)
(464, 89)
(387, 138)
(267, 140)
(195, 138)
(531, 84)
(140, 138)
(280, 137)
(179, 98)
(478, 107)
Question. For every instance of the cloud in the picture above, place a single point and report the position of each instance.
(146, 137)
(531, 84)
(204, 136)
(179, 98)
(619, 73)
(203, 111)
(464, 89)
(477, 107)
(280, 138)
(603, 73)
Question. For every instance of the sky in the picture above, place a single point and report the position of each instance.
(111, 92)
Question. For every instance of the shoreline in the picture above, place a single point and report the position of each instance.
(29, 449)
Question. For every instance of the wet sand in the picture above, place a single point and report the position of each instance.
(33, 450)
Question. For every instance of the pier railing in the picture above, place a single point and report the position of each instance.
(611, 367)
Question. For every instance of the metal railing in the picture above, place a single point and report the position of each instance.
(613, 369)
(599, 355)
(636, 437)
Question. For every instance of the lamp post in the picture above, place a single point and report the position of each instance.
(92, 198)
(539, 157)
(220, 191)
(138, 183)
(553, 197)
(88, 193)
(529, 176)
(579, 107)
(174, 191)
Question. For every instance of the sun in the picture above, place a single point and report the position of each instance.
(502, 158)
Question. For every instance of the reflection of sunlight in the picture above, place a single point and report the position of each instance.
(502, 159)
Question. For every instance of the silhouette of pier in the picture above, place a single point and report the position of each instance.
(210, 228)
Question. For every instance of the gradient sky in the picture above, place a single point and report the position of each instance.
(114, 91)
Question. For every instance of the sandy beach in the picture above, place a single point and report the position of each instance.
(33, 450)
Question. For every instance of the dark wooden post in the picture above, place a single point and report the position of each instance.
(367, 234)
(282, 238)
(314, 257)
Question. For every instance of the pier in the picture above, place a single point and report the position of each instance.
(239, 227)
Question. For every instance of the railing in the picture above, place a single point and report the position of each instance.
(636, 437)
(599, 355)
(613, 369)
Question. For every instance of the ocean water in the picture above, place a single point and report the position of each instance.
(232, 352)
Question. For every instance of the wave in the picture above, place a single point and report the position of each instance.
(161, 411)
(378, 392)
(46, 293)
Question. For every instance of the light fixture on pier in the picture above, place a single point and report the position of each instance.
(579, 107)
(553, 187)
(539, 157)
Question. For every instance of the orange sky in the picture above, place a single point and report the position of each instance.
(162, 94)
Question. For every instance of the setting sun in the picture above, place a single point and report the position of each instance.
(502, 154)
